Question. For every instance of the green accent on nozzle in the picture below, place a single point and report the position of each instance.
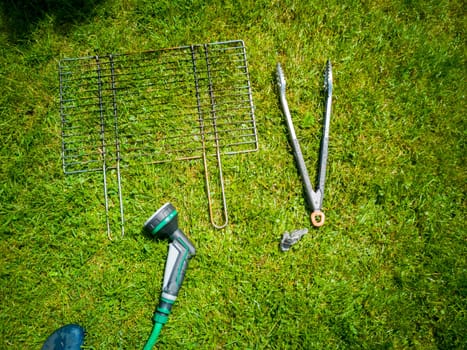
(161, 318)
(168, 301)
(164, 222)
(161, 310)
(156, 330)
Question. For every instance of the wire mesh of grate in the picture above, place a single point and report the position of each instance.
(182, 103)
(155, 106)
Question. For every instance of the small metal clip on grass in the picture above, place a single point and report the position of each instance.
(289, 239)
(314, 198)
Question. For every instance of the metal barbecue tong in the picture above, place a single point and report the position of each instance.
(314, 198)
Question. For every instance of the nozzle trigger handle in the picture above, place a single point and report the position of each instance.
(180, 251)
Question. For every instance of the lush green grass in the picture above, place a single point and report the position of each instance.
(387, 270)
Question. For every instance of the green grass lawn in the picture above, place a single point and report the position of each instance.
(386, 271)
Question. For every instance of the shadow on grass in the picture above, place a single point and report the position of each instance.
(20, 17)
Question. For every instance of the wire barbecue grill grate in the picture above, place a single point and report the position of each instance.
(190, 102)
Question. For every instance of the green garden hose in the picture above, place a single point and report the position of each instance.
(156, 330)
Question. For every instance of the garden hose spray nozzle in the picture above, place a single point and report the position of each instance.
(163, 224)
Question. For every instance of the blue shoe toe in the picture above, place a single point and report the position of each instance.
(69, 337)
